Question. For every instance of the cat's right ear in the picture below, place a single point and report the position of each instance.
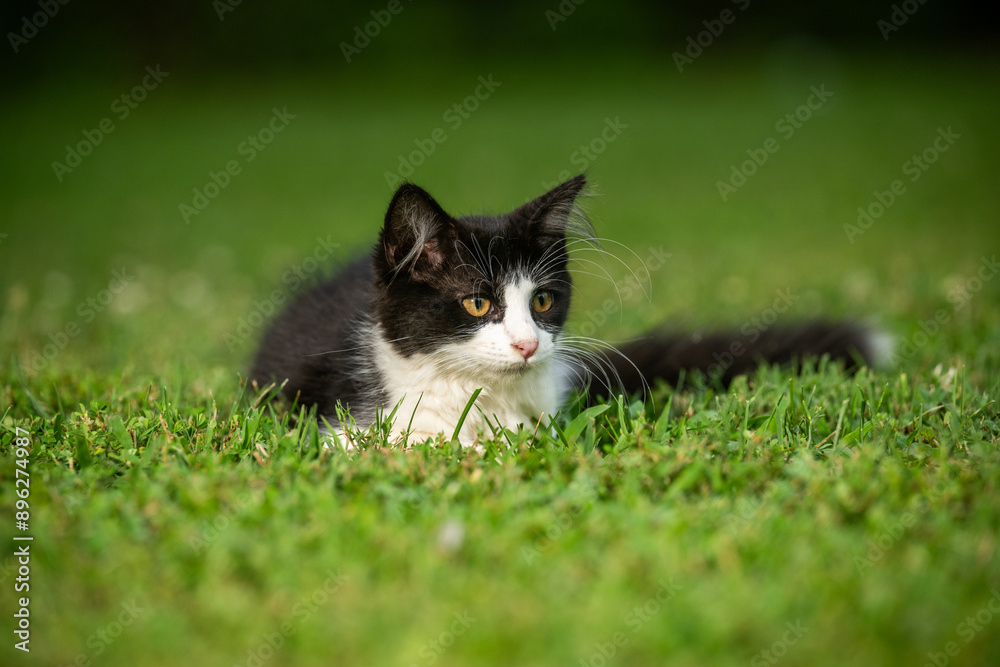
(416, 229)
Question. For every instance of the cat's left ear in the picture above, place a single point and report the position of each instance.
(416, 232)
(549, 215)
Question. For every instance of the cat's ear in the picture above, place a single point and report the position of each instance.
(415, 232)
(550, 215)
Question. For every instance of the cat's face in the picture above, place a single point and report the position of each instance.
(483, 295)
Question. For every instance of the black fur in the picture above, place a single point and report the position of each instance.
(423, 265)
(318, 347)
(723, 355)
(418, 290)
(426, 262)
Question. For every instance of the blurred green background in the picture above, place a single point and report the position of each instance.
(563, 72)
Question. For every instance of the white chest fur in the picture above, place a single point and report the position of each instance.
(433, 389)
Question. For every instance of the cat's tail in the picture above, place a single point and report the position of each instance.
(720, 356)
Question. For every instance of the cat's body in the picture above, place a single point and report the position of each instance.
(447, 306)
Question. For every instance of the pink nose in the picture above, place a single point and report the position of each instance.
(525, 348)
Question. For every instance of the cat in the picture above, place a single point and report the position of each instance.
(446, 306)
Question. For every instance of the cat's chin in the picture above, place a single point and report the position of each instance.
(511, 371)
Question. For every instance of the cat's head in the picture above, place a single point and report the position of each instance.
(483, 294)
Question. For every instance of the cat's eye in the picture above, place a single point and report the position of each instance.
(476, 305)
(541, 302)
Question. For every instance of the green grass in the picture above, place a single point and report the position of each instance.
(860, 509)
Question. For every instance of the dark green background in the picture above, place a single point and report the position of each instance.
(656, 183)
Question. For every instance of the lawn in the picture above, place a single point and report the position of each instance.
(813, 518)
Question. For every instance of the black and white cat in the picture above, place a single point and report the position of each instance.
(446, 306)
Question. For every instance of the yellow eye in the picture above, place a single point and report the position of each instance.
(542, 302)
(476, 305)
